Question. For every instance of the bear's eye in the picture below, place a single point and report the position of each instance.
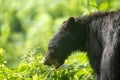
(51, 47)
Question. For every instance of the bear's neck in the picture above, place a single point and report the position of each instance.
(83, 33)
(85, 26)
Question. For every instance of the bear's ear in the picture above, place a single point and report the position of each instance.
(71, 20)
(71, 24)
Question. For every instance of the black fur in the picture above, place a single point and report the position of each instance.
(97, 34)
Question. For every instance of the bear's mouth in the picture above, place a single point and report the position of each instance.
(57, 65)
(54, 62)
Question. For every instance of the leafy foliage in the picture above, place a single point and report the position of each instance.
(26, 27)
(31, 67)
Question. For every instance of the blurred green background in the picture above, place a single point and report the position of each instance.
(29, 24)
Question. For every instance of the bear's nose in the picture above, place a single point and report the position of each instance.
(46, 62)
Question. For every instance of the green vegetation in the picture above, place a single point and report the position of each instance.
(31, 67)
(26, 27)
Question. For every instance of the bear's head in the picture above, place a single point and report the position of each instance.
(62, 43)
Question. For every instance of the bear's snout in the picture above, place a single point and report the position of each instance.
(46, 62)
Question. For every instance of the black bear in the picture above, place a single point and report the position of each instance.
(97, 34)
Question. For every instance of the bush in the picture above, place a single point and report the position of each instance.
(31, 67)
